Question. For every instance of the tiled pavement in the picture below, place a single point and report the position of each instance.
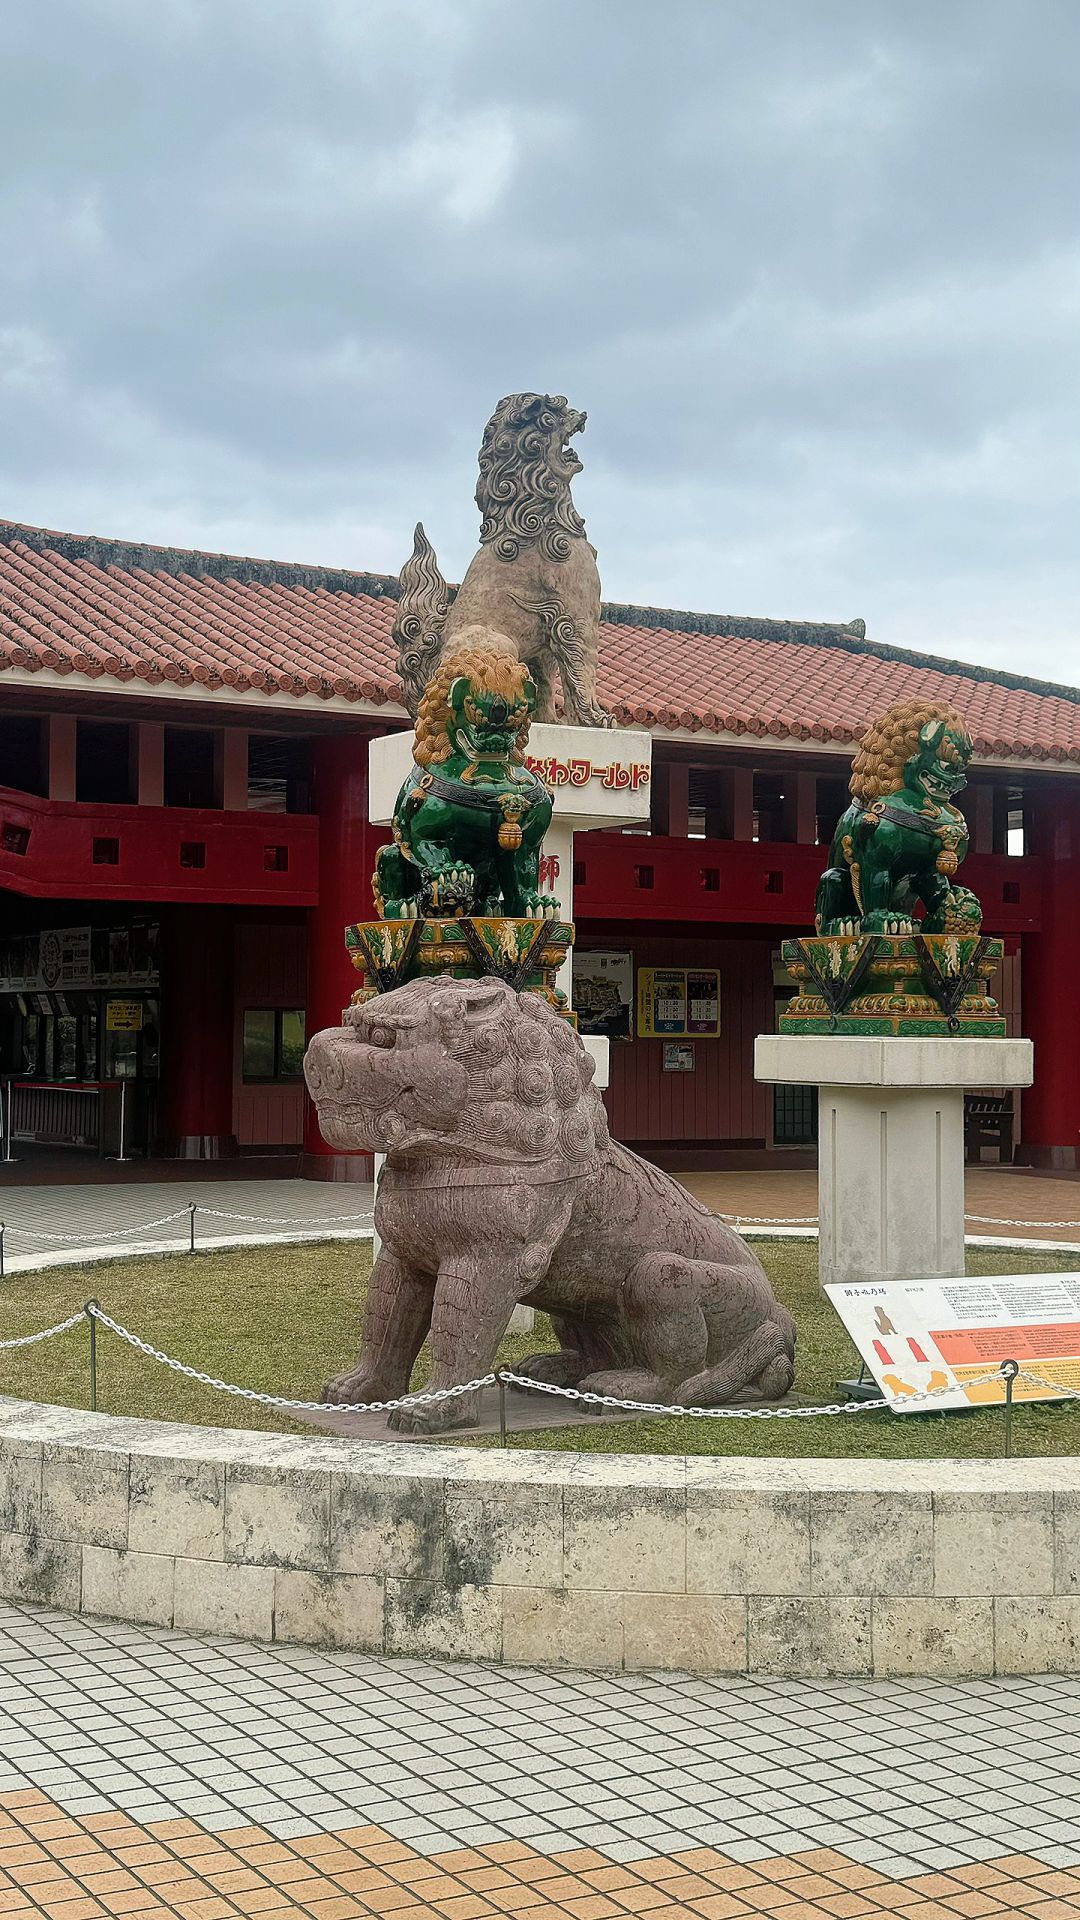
(150, 1774)
(93, 1214)
(100, 1211)
(1002, 1192)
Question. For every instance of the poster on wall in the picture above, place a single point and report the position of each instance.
(661, 1001)
(678, 1056)
(678, 1001)
(916, 1335)
(604, 994)
(702, 1001)
(81, 957)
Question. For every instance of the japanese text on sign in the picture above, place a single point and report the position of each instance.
(617, 775)
(678, 1001)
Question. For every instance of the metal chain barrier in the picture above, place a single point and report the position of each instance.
(93, 1314)
(46, 1333)
(766, 1220)
(271, 1220)
(114, 1233)
(989, 1220)
(273, 1399)
(503, 1376)
(738, 1413)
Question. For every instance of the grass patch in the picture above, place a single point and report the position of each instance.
(284, 1319)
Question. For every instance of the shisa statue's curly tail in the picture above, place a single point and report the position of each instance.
(422, 608)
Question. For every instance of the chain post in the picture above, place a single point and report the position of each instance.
(501, 1378)
(1009, 1371)
(2, 1230)
(91, 1317)
(192, 1210)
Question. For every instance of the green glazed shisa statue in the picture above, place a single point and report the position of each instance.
(875, 967)
(902, 839)
(458, 890)
(471, 817)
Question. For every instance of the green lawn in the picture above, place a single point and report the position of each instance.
(283, 1319)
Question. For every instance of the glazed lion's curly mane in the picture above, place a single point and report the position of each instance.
(490, 668)
(887, 746)
(523, 492)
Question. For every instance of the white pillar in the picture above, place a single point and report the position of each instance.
(890, 1143)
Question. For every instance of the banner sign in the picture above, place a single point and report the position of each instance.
(682, 1002)
(604, 993)
(919, 1334)
(80, 957)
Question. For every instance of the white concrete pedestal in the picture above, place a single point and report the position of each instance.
(890, 1143)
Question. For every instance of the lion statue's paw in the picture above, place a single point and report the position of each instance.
(442, 1416)
(562, 1369)
(353, 1389)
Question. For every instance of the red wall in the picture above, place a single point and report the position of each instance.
(270, 971)
(720, 1101)
(653, 877)
(47, 850)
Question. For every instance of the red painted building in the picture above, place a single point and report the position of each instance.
(184, 834)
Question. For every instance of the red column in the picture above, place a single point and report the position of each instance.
(347, 844)
(1050, 1110)
(198, 1042)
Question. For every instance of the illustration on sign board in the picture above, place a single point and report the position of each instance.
(604, 994)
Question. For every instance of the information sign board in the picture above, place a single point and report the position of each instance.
(919, 1334)
(678, 1001)
(124, 1016)
(604, 993)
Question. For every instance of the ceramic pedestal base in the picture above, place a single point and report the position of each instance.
(891, 1143)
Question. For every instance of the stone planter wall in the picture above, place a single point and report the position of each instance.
(777, 1567)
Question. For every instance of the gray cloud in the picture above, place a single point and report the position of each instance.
(265, 267)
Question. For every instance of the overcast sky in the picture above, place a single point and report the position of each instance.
(810, 265)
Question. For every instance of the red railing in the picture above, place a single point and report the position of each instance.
(58, 849)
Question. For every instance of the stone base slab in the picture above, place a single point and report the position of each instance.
(813, 1568)
(855, 1060)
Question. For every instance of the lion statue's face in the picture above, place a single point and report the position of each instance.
(461, 1068)
(484, 724)
(939, 767)
(526, 466)
(918, 744)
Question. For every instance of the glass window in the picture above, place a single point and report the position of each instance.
(292, 1043)
(273, 1043)
(259, 1043)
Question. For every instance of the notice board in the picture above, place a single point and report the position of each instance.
(915, 1334)
(678, 1003)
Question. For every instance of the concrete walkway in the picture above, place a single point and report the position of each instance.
(1005, 1193)
(81, 1216)
(149, 1774)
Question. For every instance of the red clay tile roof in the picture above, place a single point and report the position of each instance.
(112, 610)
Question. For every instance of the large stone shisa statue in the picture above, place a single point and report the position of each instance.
(458, 1058)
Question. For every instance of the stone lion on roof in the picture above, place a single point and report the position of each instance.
(534, 577)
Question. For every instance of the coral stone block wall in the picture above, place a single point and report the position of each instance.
(777, 1567)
